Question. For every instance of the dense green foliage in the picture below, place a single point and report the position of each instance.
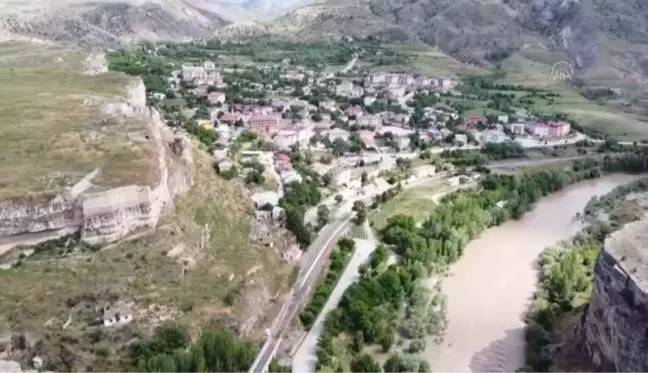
(139, 61)
(170, 350)
(503, 150)
(339, 259)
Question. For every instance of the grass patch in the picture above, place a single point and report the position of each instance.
(48, 108)
(411, 203)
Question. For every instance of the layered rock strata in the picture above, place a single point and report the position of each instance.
(104, 215)
(614, 326)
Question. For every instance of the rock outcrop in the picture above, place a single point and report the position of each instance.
(103, 214)
(614, 326)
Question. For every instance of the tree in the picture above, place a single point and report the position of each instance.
(254, 177)
(364, 363)
(387, 341)
(364, 178)
(338, 198)
(393, 364)
(323, 213)
(361, 212)
(339, 147)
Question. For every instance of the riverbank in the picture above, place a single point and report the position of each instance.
(490, 287)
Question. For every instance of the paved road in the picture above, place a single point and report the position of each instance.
(311, 262)
(306, 355)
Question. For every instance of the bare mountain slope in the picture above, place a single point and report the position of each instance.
(596, 34)
(108, 23)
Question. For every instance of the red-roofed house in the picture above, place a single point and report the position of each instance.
(367, 138)
(476, 119)
(262, 121)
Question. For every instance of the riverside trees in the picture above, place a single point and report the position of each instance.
(373, 308)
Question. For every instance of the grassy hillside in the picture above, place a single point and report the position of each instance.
(52, 131)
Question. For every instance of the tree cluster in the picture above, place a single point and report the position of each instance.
(338, 261)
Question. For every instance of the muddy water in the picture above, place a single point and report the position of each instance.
(490, 287)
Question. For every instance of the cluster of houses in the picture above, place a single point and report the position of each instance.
(539, 129)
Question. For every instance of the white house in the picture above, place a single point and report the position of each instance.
(461, 138)
(348, 89)
(289, 177)
(503, 118)
(368, 100)
(116, 314)
(517, 128)
(261, 199)
(337, 133)
(402, 142)
(374, 121)
(493, 136)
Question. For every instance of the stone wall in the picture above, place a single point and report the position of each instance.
(614, 326)
(106, 215)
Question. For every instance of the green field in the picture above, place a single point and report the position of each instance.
(608, 119)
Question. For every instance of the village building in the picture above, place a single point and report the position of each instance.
(354, 111)
(263, 121)
(461, 138)
(216, 97)
(337, 133)
(116, 314)
(374, 121)
(265, 198)
(367, 138)
(369, 100)
(349, 90)
(517, 128)
(329, 105)
(402, 142)
(558, 129)
(290, 177)
(494, 136)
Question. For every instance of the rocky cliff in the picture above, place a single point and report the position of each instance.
(100, 213)
(614, 327)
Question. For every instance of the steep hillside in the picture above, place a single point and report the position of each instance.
(103, 205)
(108, 23)
(606, 40)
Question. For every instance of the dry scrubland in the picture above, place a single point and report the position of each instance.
(197, 260)
(48, 108)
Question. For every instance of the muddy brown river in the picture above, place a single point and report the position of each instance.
(491, 286)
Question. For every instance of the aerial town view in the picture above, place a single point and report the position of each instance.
(323, 186)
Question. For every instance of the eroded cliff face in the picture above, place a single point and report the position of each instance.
(105, 215)
(614, 327)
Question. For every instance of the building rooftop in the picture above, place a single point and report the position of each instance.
(629, 247)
